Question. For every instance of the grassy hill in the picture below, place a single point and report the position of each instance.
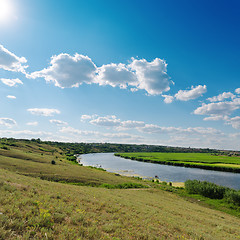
(37, 203)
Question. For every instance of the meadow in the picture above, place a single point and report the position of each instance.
(42, 199)
(197, 160)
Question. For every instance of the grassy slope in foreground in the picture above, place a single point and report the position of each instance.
(196, 160)
(34, 208)
(41, 209)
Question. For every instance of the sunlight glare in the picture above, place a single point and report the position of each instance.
(5, 10)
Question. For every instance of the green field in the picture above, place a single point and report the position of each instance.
(198, 160)
(38, 200)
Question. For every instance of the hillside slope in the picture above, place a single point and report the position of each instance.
(32, 207)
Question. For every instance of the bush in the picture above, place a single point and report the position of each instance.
(53, 162)
(5, 148)
(205, 189)
(71, 158)
(122, 185)
(233, 196)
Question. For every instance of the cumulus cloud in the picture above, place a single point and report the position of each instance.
(99, 136)
(152, 76)
(133, 89)
(219, 108)
(86, 117)
(74, 131)
(142, 127)
(221, 97)
(168, 98)
(7, 122)
(113, 121)
(58, 122)
(237, 90)
(116, 75)
(107, 121)
(215, 118)
(68, 71)
(11, 97)
(234, 122)
(10, 62)
(153, 129)
(70, 130)
(150, 128)
(132, 124)
(195, 92)
(32, 123)
(11, 82)
(47, 112)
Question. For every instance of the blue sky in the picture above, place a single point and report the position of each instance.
(153, 72)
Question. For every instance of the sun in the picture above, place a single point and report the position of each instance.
(5, 10)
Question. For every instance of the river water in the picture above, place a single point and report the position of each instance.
(164, 172)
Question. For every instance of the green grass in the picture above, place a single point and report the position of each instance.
(117, 208)
(198, 160)
(33, 208)
(36, 164)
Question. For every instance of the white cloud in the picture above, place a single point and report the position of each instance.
(7, 122)
(70, 130)
(221, 97)
(10, 62)
(133, 89)
(107, 121)
(168, 98)
(74, 131)
(116, 75)
(86, 117)
(32, 123)
(132, 124)
(71, 71)
(215, 118)
(43, 111)
(67, 71)
(11, 82)
(113, 121)
(234, 122)
(237, 90)
(58, 122)
(153, 129)
(195, 92)
(152, 76)
(11, 97)
(150, 128)
(95, 136)
(219, 108)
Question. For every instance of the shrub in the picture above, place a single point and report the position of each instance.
(205, 189)
(123, 185)
(53, 162)
(233, 196)
(5, 148)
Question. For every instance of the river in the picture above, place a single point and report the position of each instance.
(164, 172)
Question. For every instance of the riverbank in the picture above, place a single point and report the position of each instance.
(190, 160)
(44, 196)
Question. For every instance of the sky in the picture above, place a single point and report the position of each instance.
(140, 72)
